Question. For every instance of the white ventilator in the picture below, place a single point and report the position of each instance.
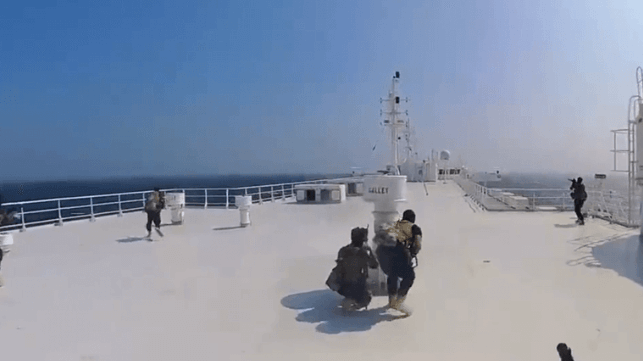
(243, 203)
(386, 192)
(6, 239)
(175, 201)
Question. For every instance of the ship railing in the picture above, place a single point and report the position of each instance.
(520, 199)
(609, 205)
(613, 206)
(57, 211)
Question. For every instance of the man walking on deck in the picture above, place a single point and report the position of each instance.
(396, 259)
(155, 203)
(580, 196)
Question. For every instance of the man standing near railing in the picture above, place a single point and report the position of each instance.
(580, 196)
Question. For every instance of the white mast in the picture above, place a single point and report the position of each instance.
(392, 119)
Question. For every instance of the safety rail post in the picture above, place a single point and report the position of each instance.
(22, 217)
(205, 206)
(227, 198)
(260, 196)
(120, 209)
(91, 205)
(283, 193)
(272, 194)
(60, 217)
(143, 196)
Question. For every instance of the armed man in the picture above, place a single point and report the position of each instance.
(579, 195)
(398, 246)
(348, 278)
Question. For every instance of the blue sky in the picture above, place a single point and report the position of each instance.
(136, 88)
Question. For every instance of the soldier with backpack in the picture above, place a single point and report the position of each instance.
(398, 246)
(348, 278)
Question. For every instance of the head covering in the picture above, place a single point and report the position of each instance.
(359, 236)
(408, 215)
(564, 352)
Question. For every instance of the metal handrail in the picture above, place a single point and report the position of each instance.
(606, 204)
(261, 193)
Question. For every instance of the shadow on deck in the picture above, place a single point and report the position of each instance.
(321, 306)
(625, 256)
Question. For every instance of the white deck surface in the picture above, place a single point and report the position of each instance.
(88, 291)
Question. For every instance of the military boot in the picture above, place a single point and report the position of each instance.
(348, 304)
(400, 306)
(392, 301)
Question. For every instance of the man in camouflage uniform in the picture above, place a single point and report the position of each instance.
(396, 258)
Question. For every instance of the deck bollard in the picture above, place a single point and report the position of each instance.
(243, 203)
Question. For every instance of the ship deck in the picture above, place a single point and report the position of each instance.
(489, 286)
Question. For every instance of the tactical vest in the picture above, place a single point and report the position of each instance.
(152, 202)
(401, 230)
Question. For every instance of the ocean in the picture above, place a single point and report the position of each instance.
(28, 191)
(35, 190)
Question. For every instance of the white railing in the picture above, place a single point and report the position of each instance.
(614, 207)
(538, 199)
(605, 204)
(60, 210)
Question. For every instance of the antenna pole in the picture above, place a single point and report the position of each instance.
(394, 123)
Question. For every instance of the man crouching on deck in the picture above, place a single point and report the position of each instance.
(398, 246)
(353, 261)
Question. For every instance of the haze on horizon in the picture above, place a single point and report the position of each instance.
(145, 88)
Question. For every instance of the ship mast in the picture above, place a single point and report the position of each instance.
(395, 123)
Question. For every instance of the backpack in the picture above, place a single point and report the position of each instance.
(334, 279)
(354, 264)
(580, 192)
(155, 203)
